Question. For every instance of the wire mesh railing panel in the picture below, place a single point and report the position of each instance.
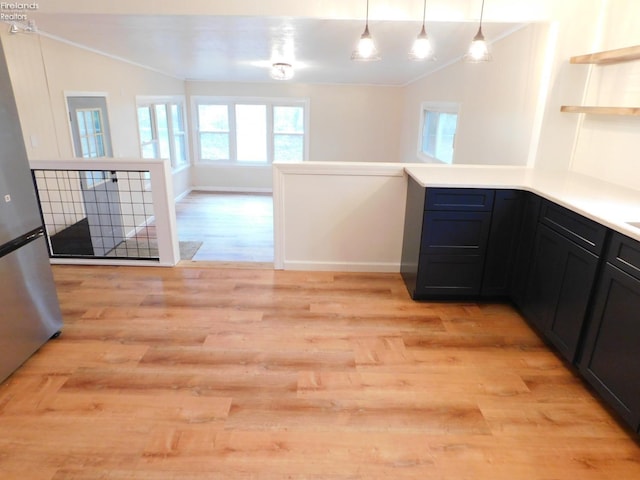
(98, 214)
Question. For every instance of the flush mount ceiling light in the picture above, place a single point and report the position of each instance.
(366, 50)
(281, 71)
(478, 50)
(422, 48)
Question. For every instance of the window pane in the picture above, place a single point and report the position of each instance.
(100, 145)
(162, 125)
(429, 130)
(251, 133)
(288, 120)
(213, 118)
(149, 150)
(288, 148)
(144, 125)
(176, 118)
(445, 136)
(180, 150)
(81, 125)
(84, 145)
(214, 146)
(97, 121)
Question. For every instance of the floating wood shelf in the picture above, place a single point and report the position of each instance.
(609, 56)
(629, 111)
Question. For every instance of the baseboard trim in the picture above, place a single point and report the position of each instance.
(380, 267)
(232, 189)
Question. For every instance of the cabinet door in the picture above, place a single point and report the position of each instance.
(611, 356)
(561, 281)
(545, 277)
(524, 249)
(414, 214)
(579, 268)
(501, 247)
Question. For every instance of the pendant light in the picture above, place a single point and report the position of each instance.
(478, 50)
(366, 50)
(422, 48)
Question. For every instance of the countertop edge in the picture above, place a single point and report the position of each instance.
(608, 204)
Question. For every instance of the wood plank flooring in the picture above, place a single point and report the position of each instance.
(198, 373)
(233, 227)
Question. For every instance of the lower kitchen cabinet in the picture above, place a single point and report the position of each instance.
(502, 244)
(611, 356)
(465, 243)
(525, 242)
(560, 283)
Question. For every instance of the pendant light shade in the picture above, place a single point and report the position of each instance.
(366, 50)
(422, 48)
(479, 49)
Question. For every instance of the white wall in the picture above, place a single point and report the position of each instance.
(339, 216)
(576, 23)
(497, 100)
(607, 146)
(347, 123)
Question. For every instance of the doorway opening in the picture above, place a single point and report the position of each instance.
(233, 227)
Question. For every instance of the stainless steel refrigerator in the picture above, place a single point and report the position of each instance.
(29, 309)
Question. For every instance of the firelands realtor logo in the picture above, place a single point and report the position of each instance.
(16, 12)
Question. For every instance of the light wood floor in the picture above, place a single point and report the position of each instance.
(233, 227)
(199, 373)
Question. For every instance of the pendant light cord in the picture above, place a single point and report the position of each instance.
(481, 12)
(424, 12)
(367, 20)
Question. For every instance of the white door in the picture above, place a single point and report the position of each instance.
(92, 139)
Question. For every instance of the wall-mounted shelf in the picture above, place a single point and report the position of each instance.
(628, 111)
(609, 57)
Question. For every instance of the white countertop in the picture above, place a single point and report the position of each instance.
(608, 204)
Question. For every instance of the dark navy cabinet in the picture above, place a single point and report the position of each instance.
(564, 266)
(610, 360)
(525, 243)
(465, 242)
(502, 243)
(560, 283)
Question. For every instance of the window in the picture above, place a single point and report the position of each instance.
(161, 128)
(250, 132)
(438, 125)
(288, 134)
(91, 132)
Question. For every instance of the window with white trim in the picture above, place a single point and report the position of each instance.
(250, 131)
(161, 127)
(438, 124)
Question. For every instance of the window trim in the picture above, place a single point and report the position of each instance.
(231, 102)
(151, 101)
(437, 107)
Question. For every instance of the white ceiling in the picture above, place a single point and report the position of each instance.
(236, 48)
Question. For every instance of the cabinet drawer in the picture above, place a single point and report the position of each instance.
(457, 233)
(624, 253)
(449, 276)
(467, 199)
(586, 233)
